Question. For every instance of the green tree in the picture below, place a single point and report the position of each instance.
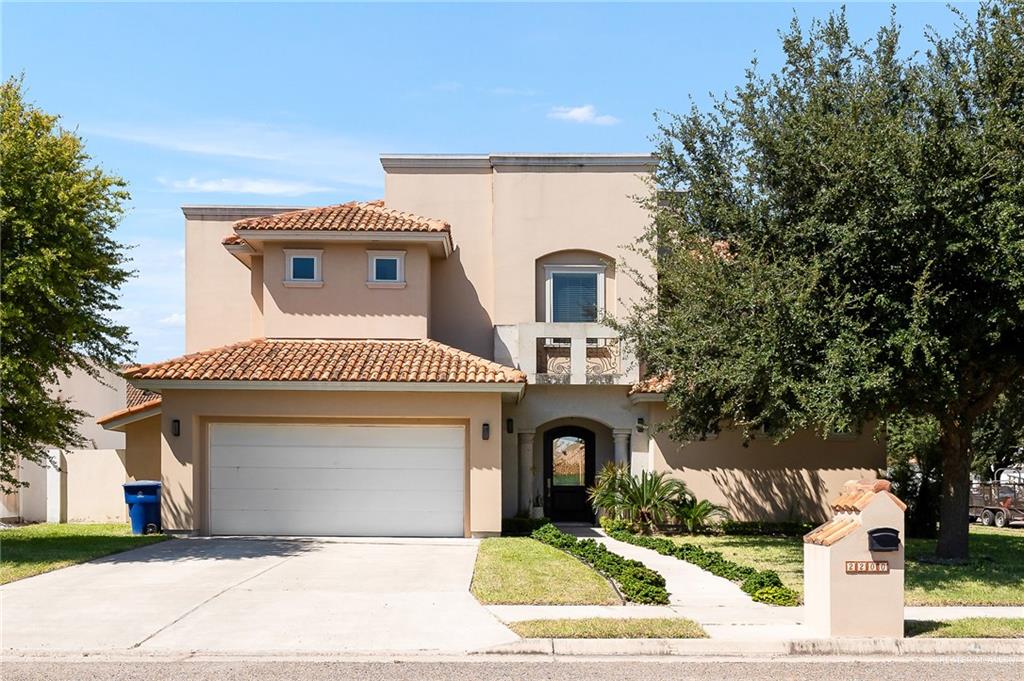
(59, 275)
(843, 240)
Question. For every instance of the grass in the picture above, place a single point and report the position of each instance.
(973, 627)
(523, 571)
(607, 627)
(34, 549)
(992, 576)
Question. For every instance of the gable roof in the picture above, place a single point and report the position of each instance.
(139, 404)
(263, 360)
(368, 216)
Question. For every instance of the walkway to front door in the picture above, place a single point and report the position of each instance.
(569, 462)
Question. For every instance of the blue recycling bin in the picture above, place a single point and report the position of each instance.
(143, 499)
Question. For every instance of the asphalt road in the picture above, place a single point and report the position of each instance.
(519, 669)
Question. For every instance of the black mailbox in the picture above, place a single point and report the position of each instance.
(884, 539)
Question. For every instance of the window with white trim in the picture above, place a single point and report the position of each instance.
(574, 293)
(386, 268)
(302, 267)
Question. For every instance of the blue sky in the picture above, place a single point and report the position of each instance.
(291, 104)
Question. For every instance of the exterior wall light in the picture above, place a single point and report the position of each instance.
(510, 427)
(641, 425)
(486, 434)
(175, 427)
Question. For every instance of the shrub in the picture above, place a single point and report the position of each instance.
(637, 582)
(644, 500)
(699, 516)
(761, 580)
(521, 526)
(764, 586)
(776, 595)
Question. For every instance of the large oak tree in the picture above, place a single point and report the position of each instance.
(843, 239)
(60, 270)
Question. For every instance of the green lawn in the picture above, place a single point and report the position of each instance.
(974, 627)
(522, 571)
(33, 549)
(992, 577)
(607, 627)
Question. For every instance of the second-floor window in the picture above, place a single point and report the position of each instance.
(302, 267)
(575, 293)
(386, 267)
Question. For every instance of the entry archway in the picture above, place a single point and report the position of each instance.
(570, 462)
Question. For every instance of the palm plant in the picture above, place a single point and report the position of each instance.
(697, 515)
(649, 498)
(606, 494)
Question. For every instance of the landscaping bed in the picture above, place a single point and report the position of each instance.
(33, 549)
(636, 582)
(523, 571)
(607, 627)
(762, 585)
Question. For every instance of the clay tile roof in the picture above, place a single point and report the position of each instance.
(857, 494)
(136, 401)
(232, 240)
(368, 216)
(653, 384)
(414, 361)
(832, 531)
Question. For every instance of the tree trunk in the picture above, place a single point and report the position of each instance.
(955, 442)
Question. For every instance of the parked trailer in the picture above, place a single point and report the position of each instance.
(999, 502)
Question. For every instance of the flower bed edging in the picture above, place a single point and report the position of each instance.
(637, 582)
(763, 586)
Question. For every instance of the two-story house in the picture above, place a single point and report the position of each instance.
(433, 362)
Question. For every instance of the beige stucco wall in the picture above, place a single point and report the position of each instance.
(345, 306)
(94, 478)
(539, 211)
(462, 292)
(96, 397)
(218, 304)
(142, 449)
(183, 458)
(765, 481)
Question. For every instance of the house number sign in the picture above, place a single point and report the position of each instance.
(867, 567)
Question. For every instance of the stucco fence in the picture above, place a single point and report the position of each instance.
(83, 486)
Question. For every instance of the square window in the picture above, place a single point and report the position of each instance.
(385, 269)
(303, 268)
(574, 297)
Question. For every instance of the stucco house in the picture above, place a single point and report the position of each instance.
(428, 364)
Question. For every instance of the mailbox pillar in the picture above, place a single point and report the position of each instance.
(853, 565)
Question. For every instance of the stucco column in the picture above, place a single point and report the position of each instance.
(621, 438)
(525, 471)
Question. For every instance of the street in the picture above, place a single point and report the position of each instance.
(517, 669)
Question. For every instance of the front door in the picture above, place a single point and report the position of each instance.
(568, 473)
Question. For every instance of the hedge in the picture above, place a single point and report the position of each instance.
(762, 585)
(520, 526)
(636, 582)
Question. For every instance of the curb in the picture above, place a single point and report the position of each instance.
(890, 647)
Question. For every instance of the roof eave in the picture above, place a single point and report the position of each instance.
(118, 423)
(637, 398)
(441, 242)
(505, 387)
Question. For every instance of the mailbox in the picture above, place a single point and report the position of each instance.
(883, 539)
(853, 565)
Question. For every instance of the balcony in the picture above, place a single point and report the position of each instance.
(577, 353)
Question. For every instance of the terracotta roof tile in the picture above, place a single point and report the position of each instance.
(832, 531)
(368, 216)
(136, 400)
(653, 384)
(857, 494)
(413, 361)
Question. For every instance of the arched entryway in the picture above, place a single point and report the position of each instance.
(569, 468)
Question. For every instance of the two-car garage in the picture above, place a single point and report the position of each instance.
(337, 479)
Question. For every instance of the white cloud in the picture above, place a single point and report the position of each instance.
(448, 86)
(244, 185)
(581, 114)
(176, 319)
(512, 92)
(299, 151)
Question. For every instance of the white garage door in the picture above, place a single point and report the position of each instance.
(346, 480)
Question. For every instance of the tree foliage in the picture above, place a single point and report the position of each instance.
(844, 239)
(59, 276)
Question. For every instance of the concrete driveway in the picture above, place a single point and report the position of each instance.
(254, 595)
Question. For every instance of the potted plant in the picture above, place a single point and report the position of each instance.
(537, 510)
